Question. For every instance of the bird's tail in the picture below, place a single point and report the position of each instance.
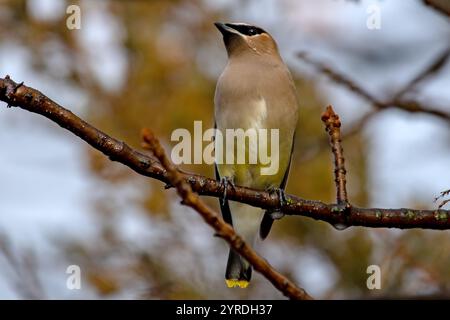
(238, 272)
(246, 223)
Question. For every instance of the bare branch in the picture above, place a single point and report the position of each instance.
(24, 267)
(433, 68)
(403, 218)
(442, 195)
(396, 102)
(339, 78)
(333, 128)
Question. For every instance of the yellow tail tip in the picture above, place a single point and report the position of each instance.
(231, 283)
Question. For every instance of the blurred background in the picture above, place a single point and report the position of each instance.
(136, 64)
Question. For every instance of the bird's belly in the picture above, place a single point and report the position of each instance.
(258, 117)
(251, 175)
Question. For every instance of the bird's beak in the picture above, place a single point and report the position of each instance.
(223, 28)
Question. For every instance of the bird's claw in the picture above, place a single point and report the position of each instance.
(225, 181)
(277, 213)
(168, 186)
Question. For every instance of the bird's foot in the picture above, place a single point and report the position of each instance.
(224, 182)
(277, 213)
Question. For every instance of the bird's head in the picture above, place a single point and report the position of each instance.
(242, 38)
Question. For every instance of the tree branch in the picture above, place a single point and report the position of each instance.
(442, 196)
(223, 229)
(431, 69)
(403, 218)
(333, 128)
(397, 101)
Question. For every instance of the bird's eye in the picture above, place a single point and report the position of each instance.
(245, 29)
(252, 31)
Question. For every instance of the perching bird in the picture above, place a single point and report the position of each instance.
(255, 90)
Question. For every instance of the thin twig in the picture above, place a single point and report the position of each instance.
(359, 125)
(396, 102)
(339, 78)
(333, 128)
(430, 70)
(223, 229)
(442, 195)
(443, 203)
(403, 218)
(24, 266)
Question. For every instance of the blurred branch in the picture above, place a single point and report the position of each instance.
(34, 101)
(24, 266)
(359, 125)
(433, 68)
(442, 6)
(397, 101)
(223, 229)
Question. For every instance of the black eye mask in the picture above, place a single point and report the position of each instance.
(246, 29)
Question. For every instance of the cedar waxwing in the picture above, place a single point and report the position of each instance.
(255, 91)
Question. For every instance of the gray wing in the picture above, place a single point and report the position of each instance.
(224, 206)
(267, 221)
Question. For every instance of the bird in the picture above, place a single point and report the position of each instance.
(254, 91)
